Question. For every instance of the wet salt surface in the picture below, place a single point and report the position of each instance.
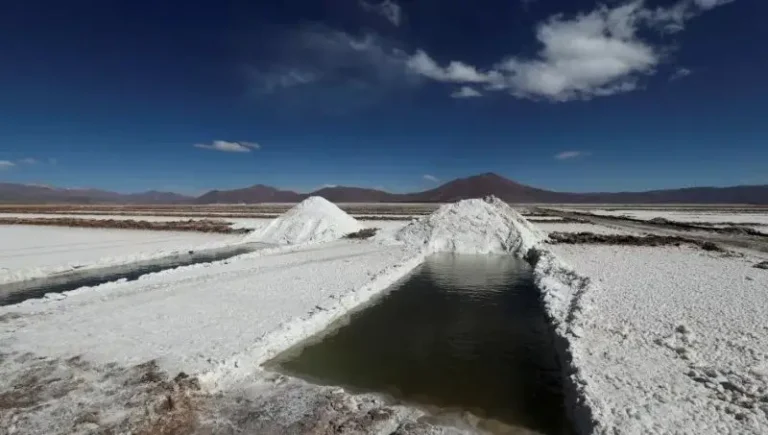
(464, 333)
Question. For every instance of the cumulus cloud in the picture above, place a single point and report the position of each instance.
(229, 147)
(6, 164)
(567, 155)
(387, 9)
(589, 55)
(29, 161)
(431, 178)
(466, 92)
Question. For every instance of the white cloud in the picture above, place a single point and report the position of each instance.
(567, 155)
(29, 161)
(328, 60)
(586, 56)
(680, 73)
(5, 164)
(229, 147)
(455, 72)
(591, 55)
(431, 178)
(671, 19)
(387, 9)
(709, 4)
(466, 92)
(288, 78)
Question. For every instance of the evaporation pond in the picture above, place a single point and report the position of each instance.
(462, 334)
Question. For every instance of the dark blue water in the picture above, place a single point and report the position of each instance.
(465, 333)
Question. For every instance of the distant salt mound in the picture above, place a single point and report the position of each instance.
(313, 220)
(472, 226)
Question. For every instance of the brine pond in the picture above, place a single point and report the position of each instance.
(462, 335)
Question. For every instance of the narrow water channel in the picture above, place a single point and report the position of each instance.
(18, 292)
(463, 334)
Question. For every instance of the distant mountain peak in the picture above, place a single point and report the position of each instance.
(476, 186)
(490, 175)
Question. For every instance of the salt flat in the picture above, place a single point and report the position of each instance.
(656, 339)
(196, 317)
(35, 251)
(672, 339)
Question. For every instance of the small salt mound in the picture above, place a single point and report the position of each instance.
(472, 226)
(313, 220)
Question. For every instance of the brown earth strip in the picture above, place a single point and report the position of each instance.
(233, 211)
(627, 240)
(684, 226)
(365, 233)
(552, 221)
(201, 225)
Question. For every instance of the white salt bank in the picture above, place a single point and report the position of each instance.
(313, 220)
(472, 226)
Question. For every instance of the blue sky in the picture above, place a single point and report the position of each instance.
(132, 95)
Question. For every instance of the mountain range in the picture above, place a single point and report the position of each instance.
(470, 187)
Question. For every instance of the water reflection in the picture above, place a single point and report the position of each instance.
(465, 333)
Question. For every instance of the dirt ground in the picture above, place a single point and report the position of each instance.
(202, 225)
(627, 240)
(49, 396)
(44, 396)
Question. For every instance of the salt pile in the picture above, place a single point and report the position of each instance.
(313, 220)
(472, 226)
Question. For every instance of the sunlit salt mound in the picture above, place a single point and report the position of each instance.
(313, 220)
(472, 226)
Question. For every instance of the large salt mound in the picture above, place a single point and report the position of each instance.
(472, 226)
(313, 220)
